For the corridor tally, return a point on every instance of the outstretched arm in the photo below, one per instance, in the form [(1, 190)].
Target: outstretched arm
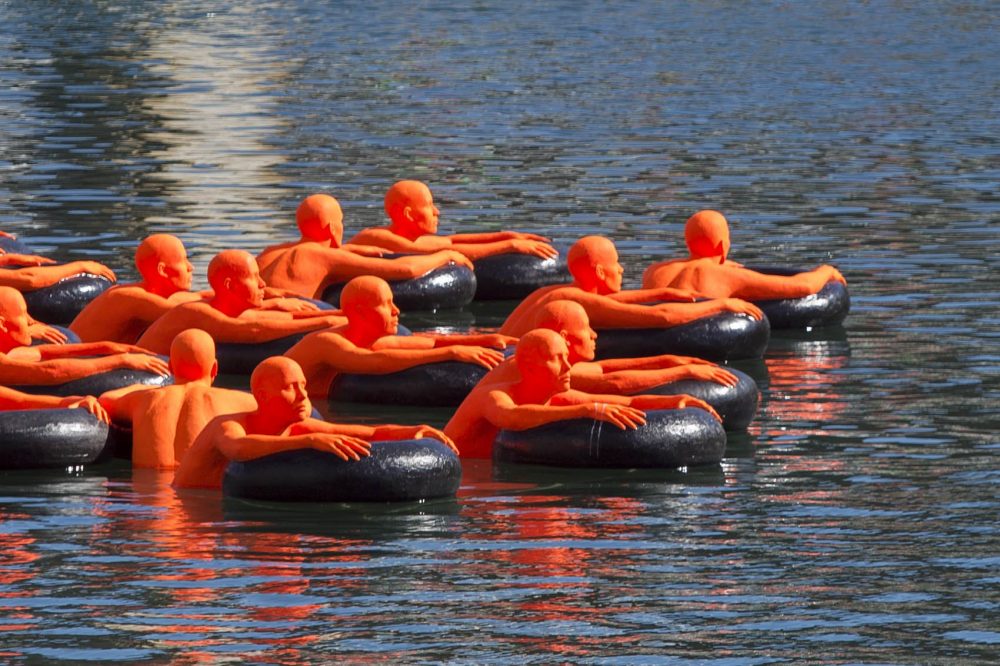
[(668, 294), (342, 266), (495, 340), (385, 432), (534, 248), (11, 399), (235, 443), (501, 410), (588, 377), (494, 236), (36, 277), (29, 370), (79, 349), (636, 402), (751, 285), (335, 351)]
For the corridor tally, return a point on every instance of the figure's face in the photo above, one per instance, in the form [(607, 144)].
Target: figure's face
[(248, 286), (381, 313), (550, 369), (423, 212), (582, 342), (610, 275), (178, 271), (15, 324), (286, 397)]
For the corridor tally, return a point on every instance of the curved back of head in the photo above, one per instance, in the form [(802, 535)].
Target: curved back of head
[(229, 264), (402, 194), (590, 252), (364, 290), (156, 248), (192, 355), (562, 316), (316, 213), (271, 374), (11, 302), (536, 347), (707, 235)]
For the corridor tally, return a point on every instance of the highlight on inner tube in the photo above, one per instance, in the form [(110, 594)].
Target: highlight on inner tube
[(442, 384), (515, 275), (737, 405), (725, 336), (61, 302), (444, 288), (828, 307), (671, 438), (50, 438), (396, 471)]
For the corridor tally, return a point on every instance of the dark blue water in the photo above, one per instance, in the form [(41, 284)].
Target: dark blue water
[(856, 522)]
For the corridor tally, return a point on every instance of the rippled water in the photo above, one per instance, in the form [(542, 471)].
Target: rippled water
[(855, 523)]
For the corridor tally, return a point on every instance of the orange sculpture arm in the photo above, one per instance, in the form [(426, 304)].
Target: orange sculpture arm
[(386, 432), (590, 377), (23, 367), (12, 400), (724, 280), (501, 410), (79, 349), (655, 294), (36, 277), (235, 443), (250, 326), (640, 403), (494, 340), (17, 260)]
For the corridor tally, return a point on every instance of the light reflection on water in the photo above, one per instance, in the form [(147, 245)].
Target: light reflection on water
[(854, 522)]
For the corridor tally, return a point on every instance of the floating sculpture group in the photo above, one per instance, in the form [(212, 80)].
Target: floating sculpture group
[(540, 390)]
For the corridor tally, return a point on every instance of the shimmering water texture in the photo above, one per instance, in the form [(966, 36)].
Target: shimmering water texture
[(856, 522)]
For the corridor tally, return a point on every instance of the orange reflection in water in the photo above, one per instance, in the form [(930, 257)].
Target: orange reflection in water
[(804, 392)]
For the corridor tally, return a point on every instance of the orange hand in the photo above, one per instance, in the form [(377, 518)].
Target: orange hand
[(484, 356), (344, 447), (147, 363), (364, 250), (691, 401), (834, 275), (743, 307), (535, 248), (499, 341), (459, 258), (522, 235), (4, 234), (434, 433), (97, 269), (623, 416), (711, 373), (89, 403), (48, 333), (282, 304)]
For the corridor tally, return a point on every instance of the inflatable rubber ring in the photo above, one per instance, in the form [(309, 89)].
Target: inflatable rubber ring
[(14, 246), (47, 438), (444, 288), (442, 384), (671, 438), (62, 302), (398, 471), (721, 337), (828, 307), (99, 383), (240, 358), (514, 275), (737, 405)]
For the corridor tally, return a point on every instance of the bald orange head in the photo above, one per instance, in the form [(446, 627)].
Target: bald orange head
[(320, 219), (163, 264), (13, 319), (542, 360), (279, 386), (707, 235), (234, 276), (593, 263), (410, 206), (192, 356), (367, 303), (570, 320)]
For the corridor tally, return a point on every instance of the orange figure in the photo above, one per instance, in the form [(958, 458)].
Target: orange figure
[(413, 228), (368, 343), (709, 271), (541, 394), (597, 286), (166, 420), (12, 400), (49, 364), (236, 311), (124, 312), (281, 422), (318, 259)]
